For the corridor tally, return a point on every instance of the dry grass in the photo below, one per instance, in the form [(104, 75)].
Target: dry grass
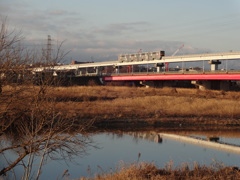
[(144, 171), (105, 103), (110, 102)]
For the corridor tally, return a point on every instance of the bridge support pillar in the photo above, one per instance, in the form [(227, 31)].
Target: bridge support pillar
[(97, 70), (79, 72), (117, 69), (214, 65), (214, 84), (159, 66)]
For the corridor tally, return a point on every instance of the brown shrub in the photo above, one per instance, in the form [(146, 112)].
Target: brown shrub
[(146, 171)]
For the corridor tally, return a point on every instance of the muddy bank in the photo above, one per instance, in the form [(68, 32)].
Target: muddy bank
[(177, 123)]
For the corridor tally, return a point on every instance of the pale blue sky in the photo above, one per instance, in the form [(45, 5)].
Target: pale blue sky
[(94, 29)]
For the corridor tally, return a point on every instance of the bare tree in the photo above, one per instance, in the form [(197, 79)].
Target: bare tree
[(29, 118)]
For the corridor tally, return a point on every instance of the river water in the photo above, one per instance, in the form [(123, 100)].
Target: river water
[(131, 147)]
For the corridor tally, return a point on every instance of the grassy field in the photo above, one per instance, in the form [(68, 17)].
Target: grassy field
[(134, 104), (149, 104)]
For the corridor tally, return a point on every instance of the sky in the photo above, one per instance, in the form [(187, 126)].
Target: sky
[(94, 30)]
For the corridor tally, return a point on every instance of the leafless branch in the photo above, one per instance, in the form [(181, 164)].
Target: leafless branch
[(28, 115)]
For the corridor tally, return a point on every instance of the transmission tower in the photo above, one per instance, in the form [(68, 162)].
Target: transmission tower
[(49, 49)]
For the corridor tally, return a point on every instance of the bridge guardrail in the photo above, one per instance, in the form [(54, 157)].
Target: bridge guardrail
[(160, 73), (202, 55)]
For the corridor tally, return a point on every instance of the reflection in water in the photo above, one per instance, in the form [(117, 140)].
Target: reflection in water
[(205, 141), (154, 137), (214, 139), (150, 146), (227, 144), (212, 142)]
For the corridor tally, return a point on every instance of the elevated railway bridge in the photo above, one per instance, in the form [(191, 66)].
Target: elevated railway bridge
[(152, 69)]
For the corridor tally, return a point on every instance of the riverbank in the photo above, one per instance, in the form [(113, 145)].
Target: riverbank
[(108, 106), (149, 106), (145, 171)]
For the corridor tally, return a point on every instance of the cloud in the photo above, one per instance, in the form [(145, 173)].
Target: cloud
[(58, 12), (120, 28), (35, 22), (85, 40), (109, 50)]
